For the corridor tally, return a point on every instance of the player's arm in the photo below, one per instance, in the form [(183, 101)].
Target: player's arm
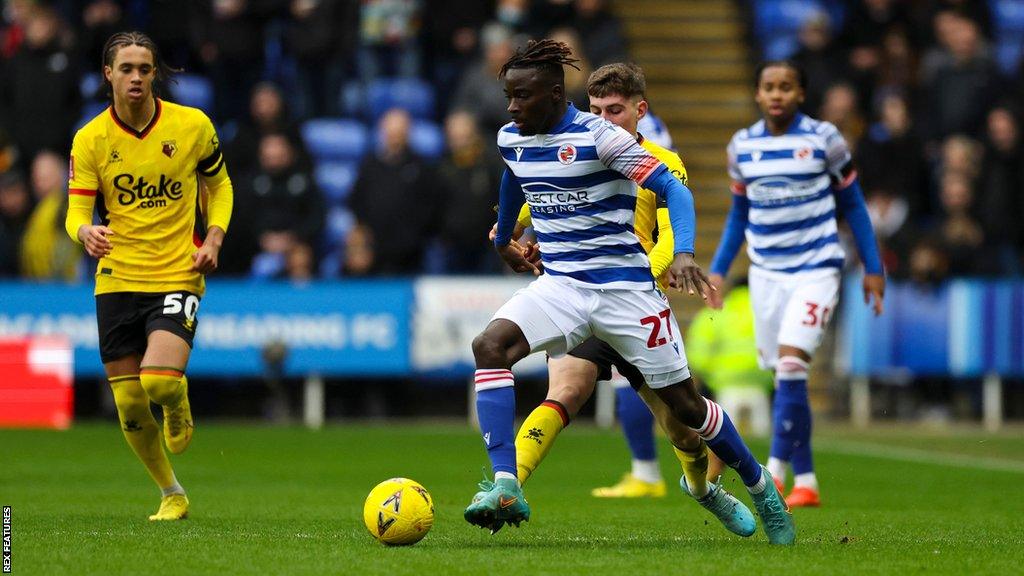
[(850, 203), (733, 234), (221, 198), (618, 150), (850, 200), (661, 255), (510, 202), (83, 185)]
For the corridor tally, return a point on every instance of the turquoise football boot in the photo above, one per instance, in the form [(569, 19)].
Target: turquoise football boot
[(498, 503), (732, 513), (775, 516)]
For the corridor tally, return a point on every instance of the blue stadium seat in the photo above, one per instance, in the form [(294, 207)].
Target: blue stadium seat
[(1008, 20), (777, 23), (335, 179), (89, 85), (426, 139), (338, 223), (334, 138), (192, 90), (352, 99), (413, 95), (90, 109)]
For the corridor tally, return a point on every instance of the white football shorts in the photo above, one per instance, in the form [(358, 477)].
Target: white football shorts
[(555, 315), (791, 309)]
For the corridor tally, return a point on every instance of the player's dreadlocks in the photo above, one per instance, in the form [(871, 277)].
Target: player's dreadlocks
[(545, 53)]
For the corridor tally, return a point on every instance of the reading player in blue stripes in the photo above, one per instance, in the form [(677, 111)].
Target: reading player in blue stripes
[(792, 176), (579, 174)]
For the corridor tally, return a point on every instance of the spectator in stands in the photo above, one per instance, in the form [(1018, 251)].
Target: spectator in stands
[(453, 40), (480, 92), (961, 156), (889, 155), (321, 36), (897, 71), (575, 77), (928, 262), (15, 207), (101, 19), (964, 83), (820, 58), (470, 174), (388, 38), (962, 235), (395, 205), (279, 207), (895, 229), (1001, 188), (840, 107), (50, 254), (39, 95), (230, 36), (268, 113), (600, 32)]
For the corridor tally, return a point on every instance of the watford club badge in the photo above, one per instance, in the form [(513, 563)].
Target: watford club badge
[(170, 147)]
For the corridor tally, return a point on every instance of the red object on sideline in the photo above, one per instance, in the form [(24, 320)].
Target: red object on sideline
[(36, 383)]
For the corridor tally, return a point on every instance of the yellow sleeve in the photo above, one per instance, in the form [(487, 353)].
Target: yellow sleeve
[(524, 216), (83, 185), (662, 253), (214, 174)]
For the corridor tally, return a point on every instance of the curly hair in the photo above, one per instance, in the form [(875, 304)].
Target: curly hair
[(544, 54)]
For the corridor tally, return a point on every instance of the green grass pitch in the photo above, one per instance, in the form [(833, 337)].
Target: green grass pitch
[(289, 501)]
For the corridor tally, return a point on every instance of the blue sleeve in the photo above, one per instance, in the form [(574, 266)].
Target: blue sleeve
[(851, 204), (679, 200), (510, 200), (732, 235)]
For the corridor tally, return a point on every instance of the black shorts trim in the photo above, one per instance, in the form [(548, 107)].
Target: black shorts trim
[(604, 356)]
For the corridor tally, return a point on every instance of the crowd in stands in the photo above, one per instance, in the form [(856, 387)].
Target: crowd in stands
[(359, 133), (929, 95)]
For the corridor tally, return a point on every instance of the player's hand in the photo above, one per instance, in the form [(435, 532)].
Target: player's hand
[(685, 274), (515, 256), (96, 239), (517, 232), (532, 254), (205, 259), (715, 298), (874, 286)]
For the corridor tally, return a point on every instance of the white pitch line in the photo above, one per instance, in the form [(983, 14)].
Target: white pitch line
[(921, 456)]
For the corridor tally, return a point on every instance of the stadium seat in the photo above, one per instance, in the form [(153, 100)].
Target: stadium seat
[(89, 86), (352, 99), (192, 90), (334, 138), (90, 109), (337, 224), (777, 24), (410, 94), (335, 179), (1008, 21)]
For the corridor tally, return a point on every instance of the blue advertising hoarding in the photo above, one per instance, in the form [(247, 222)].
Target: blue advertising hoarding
[(338, 328)]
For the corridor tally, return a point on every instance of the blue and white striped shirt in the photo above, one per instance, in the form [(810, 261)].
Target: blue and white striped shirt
[(788, 181), (580, 181)]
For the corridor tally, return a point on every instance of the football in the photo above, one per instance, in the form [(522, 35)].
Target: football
[(398, 512)]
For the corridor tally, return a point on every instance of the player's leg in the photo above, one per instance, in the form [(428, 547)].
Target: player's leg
[(642, 328), (693, 454), (803, 325), (170, 328), (163, 378), (122, 343), (768, 297), (570, 385), (531, 321)]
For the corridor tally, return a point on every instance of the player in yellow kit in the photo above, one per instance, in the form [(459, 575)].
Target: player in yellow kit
[(617, 93), (154, 172)]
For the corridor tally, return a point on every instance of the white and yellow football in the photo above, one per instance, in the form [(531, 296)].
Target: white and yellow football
[(398, 512)]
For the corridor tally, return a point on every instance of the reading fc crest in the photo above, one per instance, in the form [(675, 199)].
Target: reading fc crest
[(567, 154)]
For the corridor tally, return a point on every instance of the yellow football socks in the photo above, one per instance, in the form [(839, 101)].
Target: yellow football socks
[(695, 468), (537, 435), (141, 430), (163, 384)]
